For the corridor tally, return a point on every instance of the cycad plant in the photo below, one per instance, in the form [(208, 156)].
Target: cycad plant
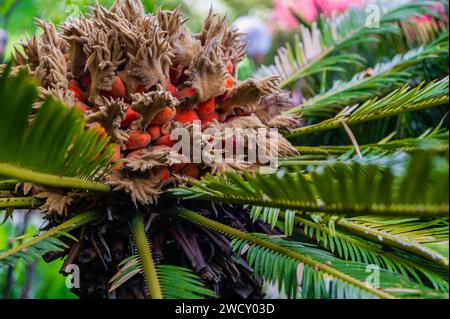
[(358, 207)]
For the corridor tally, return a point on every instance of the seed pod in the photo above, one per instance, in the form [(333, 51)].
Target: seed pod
[(119, 91), (85, 81), (188, 116), (165, 141), (138, 140), (154, 131), (77, 91), (172, 89), (185, 93), (177, 168), (230, 83), (130, 117), (205, 109), (141, 89), (163, 117)]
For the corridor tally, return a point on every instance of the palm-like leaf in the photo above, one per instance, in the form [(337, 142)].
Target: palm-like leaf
[(176, 282), (320, 275), (315, 283), (397, 102), (356, 248), (366, 85), (53, 149), (45, 242), (428, 240), (432, 140), (339, 188)]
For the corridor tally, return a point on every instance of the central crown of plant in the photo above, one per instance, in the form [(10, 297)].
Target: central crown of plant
[(136, 77)]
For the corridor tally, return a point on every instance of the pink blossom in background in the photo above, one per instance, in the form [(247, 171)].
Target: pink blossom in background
[(309, 10), (437, 8)]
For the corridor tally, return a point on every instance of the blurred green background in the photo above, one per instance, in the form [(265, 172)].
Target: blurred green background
[(37, 280)]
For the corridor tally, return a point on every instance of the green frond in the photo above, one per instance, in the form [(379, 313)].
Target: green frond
[(181, 283), (351, 189), (355, 248), (34, 252), (317, 273), (397, 102), (382, 78), (428, 240), (313, 281), (46, 241), (315, 51), (54, 148), (176, 282), (430, 141)]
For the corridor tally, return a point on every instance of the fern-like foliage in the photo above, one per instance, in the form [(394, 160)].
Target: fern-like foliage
[(372, 82), (339, 188), (346, 246), (435, 140), (302, 270), (355, 248), (46, 241), (176, 282), (315, 50), (397, 102), (428, 240), (313, 282), (34, 252), (54, 148)]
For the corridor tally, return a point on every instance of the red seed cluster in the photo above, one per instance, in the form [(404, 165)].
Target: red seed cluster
[(157, 134), (137, 76)]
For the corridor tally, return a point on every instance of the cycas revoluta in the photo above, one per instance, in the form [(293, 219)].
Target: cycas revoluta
[(92, 151)]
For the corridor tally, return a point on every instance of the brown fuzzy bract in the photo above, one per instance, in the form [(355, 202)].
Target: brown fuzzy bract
[(144, 190), (110, 116), (184, 46), (104, 55), (148, 105), (207, 73), (58, 202), (247, 95)]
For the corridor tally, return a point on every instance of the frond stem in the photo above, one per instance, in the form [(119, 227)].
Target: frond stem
[(19, 202), (352, 120), (28, 175), (393, 210), (145, 256)]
